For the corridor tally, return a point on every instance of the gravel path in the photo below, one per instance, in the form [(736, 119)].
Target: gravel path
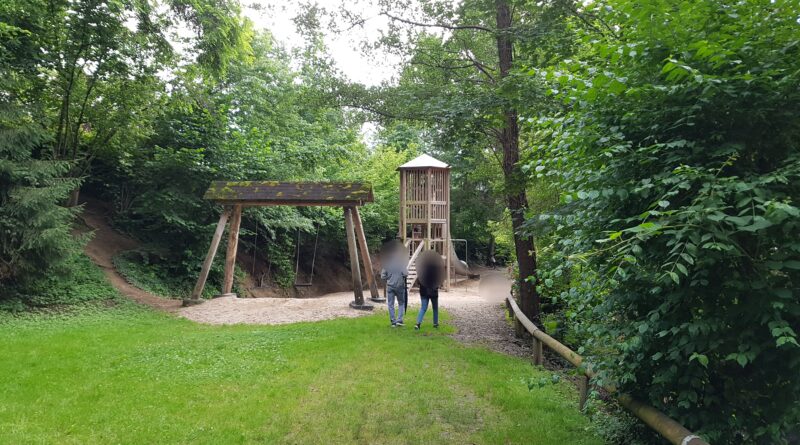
[(233, 310), (477, 308), (481, 320)]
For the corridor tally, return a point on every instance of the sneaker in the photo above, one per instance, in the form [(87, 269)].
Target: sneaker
[(394, 325), (436, 326), (400, 323), (416, 327)]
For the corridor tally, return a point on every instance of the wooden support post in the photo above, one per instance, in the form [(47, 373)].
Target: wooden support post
[(429, 199), (402, 230), (538, 353), (519, 329), (366, 259), (358, 302), (583, 387), (230, 255), (197, 293), (448, 240)]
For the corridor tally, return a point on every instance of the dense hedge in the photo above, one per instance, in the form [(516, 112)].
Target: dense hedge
[(679, 158)]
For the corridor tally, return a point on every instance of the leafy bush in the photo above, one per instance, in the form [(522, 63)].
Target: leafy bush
[(83, 282), (137, 269), (678, 154), (147, 270), (615, 425)]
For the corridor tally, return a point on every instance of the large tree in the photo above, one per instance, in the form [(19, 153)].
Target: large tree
[(101, 63), (459, 77)]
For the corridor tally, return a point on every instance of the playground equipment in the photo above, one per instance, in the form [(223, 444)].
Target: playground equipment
[(425, 214), (237, 195), (310, 281)]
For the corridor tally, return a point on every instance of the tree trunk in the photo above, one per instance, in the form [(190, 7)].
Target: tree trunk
[(514, 180), (74, 197)]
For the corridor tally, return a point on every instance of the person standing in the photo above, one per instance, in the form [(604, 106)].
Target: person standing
[(394, 273), (431, 273)]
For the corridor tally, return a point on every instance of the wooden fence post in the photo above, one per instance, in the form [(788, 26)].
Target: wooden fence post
[(538, 356), (519, 329), (583, 387)]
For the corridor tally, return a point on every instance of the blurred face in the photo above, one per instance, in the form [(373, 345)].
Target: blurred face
[(393, 251)]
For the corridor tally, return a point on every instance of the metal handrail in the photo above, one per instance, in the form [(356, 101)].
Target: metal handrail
[(664, 425)]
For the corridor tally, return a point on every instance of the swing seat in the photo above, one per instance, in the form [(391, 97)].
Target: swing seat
[(297, 260)]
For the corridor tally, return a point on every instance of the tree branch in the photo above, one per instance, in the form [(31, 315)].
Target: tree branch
[(438, 25)]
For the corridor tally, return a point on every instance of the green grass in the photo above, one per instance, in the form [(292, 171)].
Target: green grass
[(126, 374)]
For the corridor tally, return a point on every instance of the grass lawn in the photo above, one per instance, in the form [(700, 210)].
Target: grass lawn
[(129, 375)]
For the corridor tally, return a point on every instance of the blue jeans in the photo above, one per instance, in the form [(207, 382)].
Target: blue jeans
[(400, 295), (435, 304)]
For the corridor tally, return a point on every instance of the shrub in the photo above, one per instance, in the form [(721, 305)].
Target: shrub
[(679, 158), (83, 282)]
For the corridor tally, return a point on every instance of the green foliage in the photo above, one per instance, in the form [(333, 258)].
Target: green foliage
[(83, 282), (504, 243), (35, 238), (680, 169), (615, 425), (379, 167), (241, 127), (145, 269)]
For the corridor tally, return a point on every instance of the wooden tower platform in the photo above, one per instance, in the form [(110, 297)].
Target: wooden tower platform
[(425, 211)]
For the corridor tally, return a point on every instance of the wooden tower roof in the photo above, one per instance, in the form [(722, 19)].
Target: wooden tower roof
[(424, 161)]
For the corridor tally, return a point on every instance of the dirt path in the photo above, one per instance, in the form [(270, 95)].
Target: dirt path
[(480, 318), (106, 243)]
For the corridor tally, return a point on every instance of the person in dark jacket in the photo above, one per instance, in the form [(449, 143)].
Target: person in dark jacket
[(394, 273), (431, 274)]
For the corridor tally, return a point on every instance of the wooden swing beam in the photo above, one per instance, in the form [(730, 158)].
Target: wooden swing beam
[(235, 195)]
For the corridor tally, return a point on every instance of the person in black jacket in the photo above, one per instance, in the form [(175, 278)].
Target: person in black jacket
[(431, 274)]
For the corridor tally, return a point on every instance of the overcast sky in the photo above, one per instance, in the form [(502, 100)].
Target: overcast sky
[(276, 16)]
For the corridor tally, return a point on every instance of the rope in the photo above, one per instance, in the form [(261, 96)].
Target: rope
[(255, 250), (297, 259)]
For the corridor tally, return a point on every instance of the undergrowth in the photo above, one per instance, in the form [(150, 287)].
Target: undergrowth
[(141, 270), (84, 282)]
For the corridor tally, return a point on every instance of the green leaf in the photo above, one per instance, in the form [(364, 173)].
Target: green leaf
[(674, 277), (792, 264), (701, 358)]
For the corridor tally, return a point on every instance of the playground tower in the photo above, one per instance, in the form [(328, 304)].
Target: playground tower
[(425, 211)]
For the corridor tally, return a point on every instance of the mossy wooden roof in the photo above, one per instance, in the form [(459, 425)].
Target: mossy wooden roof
[(265, 193)]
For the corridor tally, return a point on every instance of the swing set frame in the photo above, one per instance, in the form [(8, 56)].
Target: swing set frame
[(235, 195)]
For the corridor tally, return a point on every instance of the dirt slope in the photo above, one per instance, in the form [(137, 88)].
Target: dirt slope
[(106, 243)]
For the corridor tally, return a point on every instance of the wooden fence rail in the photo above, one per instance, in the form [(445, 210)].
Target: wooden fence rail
[(668, 428)]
